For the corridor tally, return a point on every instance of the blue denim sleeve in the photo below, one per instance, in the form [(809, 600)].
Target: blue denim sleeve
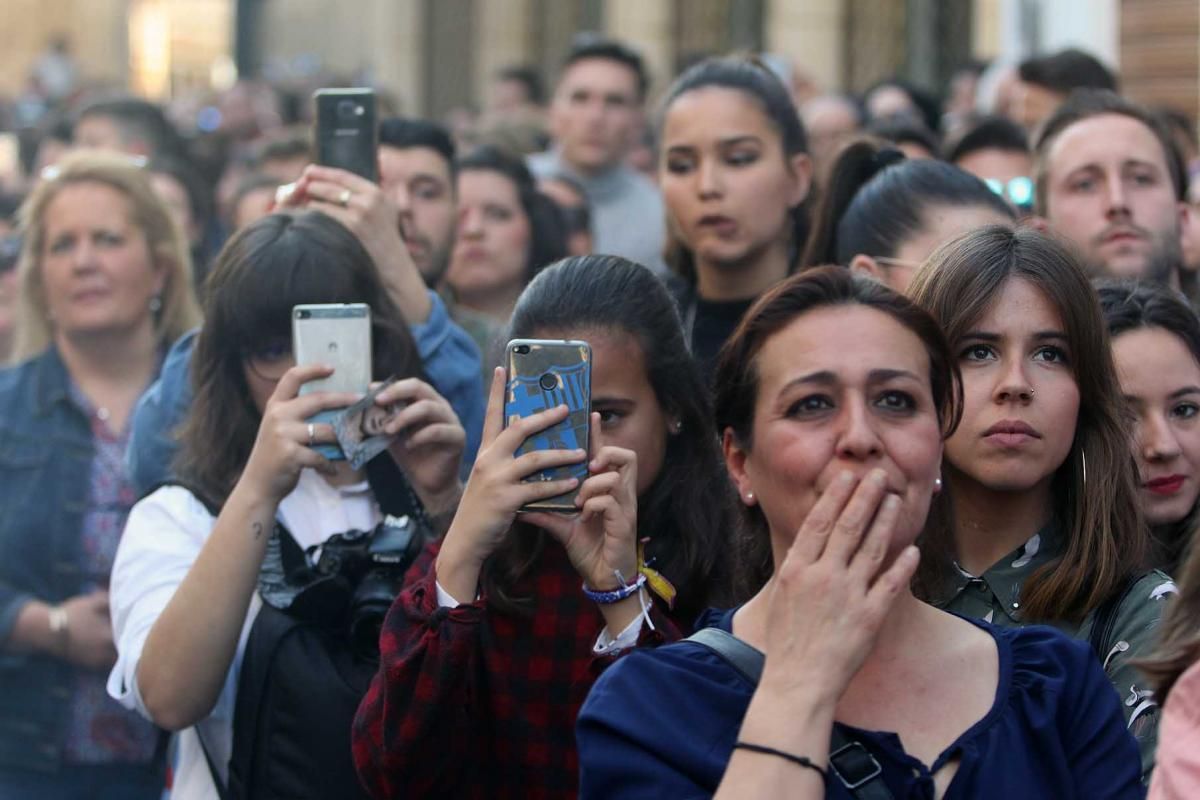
[(152, 442), (454, 367)]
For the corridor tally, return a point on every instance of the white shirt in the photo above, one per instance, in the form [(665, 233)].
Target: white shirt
[(163, 536)]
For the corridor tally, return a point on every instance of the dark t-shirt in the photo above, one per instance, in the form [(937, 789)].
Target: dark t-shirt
[(662, 723), (707, 324)]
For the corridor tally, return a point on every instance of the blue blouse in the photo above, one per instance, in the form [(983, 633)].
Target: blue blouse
[(662, 723)]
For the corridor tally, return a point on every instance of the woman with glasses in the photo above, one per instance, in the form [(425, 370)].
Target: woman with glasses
[(190, 595), (882, 214), (104, 284)]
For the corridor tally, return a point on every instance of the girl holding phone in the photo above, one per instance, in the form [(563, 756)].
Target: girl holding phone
[(489, 652), (185, 592)]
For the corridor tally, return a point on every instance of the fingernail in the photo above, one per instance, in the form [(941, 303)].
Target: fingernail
[(847, 478), (879, 477)]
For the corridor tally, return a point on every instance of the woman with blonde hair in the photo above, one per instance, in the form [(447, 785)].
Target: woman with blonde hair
[(105, 285)]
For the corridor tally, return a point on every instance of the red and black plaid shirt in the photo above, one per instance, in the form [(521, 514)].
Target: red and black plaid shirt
[(471, 702)]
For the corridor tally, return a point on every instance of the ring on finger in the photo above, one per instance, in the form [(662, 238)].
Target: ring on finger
[(312, 434), (344, 198)]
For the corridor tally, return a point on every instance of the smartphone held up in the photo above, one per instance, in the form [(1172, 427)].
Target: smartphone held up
[(542, 374), (347, 133), (339, 335)]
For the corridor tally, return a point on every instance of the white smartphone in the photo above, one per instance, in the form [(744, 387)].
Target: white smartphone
[(337, 334)]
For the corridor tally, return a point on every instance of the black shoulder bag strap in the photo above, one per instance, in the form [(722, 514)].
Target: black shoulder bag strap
[(1106, 618), (852, 763)]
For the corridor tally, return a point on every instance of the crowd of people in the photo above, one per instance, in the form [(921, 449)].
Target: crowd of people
[(894, 459)]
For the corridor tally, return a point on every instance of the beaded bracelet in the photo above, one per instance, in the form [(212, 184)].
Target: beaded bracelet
[(615, 595), (771, 751)]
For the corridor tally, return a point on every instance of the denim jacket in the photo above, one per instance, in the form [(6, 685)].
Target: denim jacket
[(449, 356), (46, 453)]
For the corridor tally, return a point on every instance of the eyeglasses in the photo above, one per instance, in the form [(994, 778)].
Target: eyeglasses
[(1018, 191), (885, 261), (10, 252), (270, 361)]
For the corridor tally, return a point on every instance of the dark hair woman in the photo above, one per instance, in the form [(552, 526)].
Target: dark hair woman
[(187, 598), (834, 396), (1156, 347), (1046, 524), (882, 214), (489, 653), (507, 231), (735, 174)]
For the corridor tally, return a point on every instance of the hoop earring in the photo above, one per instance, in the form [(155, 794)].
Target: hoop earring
[(1083, 464)]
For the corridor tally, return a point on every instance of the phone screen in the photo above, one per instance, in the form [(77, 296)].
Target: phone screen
[(338, 335), (543, 374), (347, 135)]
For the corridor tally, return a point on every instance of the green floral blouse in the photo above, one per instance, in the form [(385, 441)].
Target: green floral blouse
[(995, 597)]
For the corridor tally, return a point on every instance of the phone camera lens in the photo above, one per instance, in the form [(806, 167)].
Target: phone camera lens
[(348, 109), (303, 314), (522, 349), (549, 382)]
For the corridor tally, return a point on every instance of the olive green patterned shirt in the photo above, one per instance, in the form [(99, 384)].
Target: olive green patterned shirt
[(995, 597)]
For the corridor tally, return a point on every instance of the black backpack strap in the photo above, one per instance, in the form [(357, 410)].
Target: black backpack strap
[(849, 761), (222, 791), (1106, 617)]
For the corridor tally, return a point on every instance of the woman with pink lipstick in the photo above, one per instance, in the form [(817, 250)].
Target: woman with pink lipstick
[(734, 172), (1046, 525), (1156, 347)]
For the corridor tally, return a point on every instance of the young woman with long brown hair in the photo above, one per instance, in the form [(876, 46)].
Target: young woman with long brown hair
[(1041, 521)]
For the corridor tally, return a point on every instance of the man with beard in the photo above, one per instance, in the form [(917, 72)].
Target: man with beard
[(416, 171), (1108, 178)]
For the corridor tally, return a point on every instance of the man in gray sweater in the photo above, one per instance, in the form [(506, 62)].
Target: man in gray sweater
[(595, 117)]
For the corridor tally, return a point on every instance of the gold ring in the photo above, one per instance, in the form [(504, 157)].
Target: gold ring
[(344, 198)]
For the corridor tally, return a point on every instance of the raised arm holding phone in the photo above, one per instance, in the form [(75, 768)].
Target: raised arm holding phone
[(487, 654), (193, 587)]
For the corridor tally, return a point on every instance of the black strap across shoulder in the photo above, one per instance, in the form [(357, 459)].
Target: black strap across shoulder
[(852, 763), (1106, 617)]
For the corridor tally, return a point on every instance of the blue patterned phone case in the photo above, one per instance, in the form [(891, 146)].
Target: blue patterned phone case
[(542, 374)]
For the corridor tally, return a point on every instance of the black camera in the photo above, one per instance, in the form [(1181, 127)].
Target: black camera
[(348, 583), (374, 563)]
